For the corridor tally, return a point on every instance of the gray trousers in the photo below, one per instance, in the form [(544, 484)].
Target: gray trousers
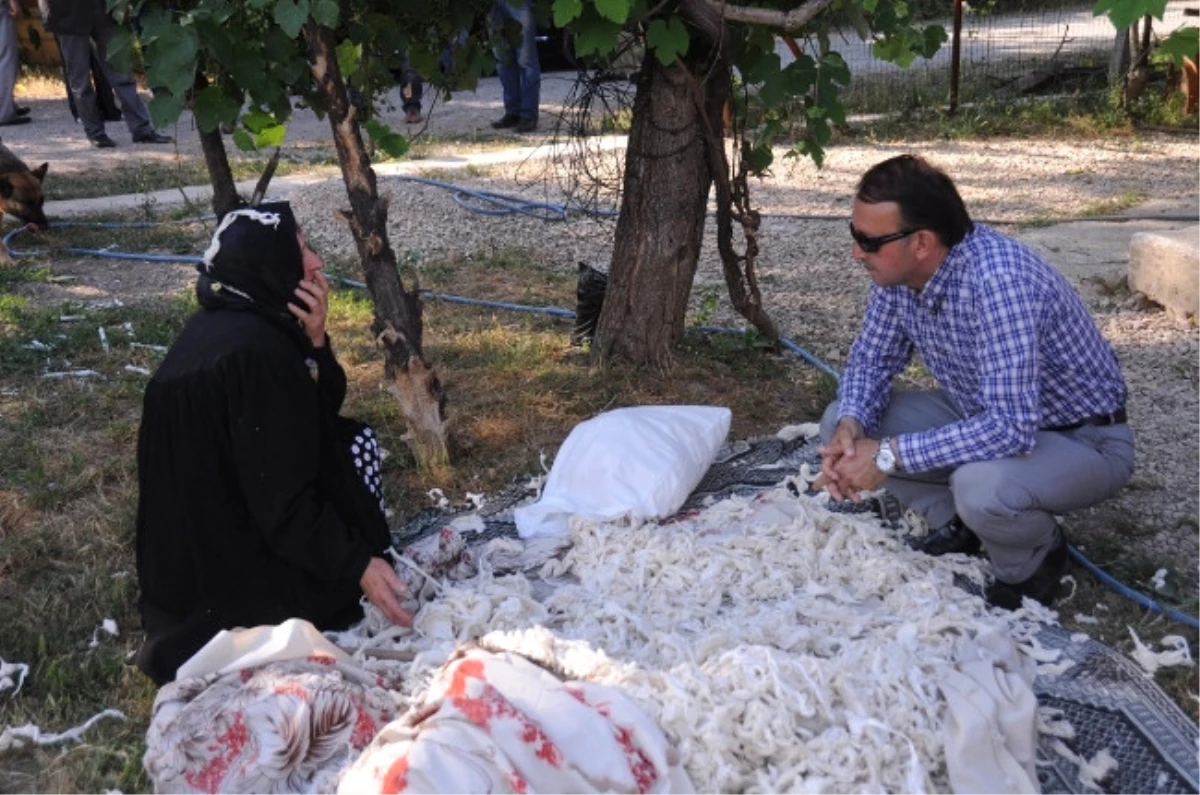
[(1009, 502), (76, 55), (10, 62)]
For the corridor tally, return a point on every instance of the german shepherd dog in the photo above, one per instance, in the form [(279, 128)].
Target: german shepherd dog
[(21, 189)]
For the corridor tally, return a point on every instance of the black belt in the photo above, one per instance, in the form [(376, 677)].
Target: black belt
[(1117, 417)]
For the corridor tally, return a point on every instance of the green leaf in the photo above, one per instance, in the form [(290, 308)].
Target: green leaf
[(291, 15), (598, 37), (349, 56), (165, 108), (212, 108), (1124, 13), (392, 143), (566, 11), (171, 60), (256, 121), (325, 12), (120, 50), (613, 10), (668, 38), (243, 140), (1180, 44), (270, 136)]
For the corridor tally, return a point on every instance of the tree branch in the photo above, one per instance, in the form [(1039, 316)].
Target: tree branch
[(784, 20)]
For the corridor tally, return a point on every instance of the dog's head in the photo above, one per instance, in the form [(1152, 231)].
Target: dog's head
[(21, 194)]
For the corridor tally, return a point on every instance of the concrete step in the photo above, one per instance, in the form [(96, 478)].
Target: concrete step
[(1165, 267)]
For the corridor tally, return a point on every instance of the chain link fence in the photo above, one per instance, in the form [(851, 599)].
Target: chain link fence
[(1059, 48)]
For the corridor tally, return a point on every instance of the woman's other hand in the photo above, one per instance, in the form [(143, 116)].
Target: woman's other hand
[(385, 589)]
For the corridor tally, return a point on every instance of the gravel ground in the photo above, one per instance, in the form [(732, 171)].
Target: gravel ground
[(815, 292)]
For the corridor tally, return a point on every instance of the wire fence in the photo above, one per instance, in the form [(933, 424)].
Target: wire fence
[(1061, 47)]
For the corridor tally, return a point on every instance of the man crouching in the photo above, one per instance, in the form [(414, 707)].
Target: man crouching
[(1028, 419)]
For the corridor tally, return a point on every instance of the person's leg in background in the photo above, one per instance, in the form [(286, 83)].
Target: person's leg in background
[(10, 62), (137, 118), (76, 55), (519, 69), (528, 66), (412, 91)]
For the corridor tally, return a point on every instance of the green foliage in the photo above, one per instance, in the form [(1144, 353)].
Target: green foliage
[(775, 97), (220, 57), (1124, 13)]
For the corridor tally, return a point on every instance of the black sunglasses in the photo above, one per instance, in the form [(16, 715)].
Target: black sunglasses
[(872, 244)]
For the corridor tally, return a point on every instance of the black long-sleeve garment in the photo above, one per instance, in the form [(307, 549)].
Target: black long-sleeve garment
[(249, 510)]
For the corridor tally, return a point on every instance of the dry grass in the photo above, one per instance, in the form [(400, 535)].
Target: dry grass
[(515, 385)]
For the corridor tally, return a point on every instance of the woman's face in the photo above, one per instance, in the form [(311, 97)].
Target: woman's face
[(311, 260)]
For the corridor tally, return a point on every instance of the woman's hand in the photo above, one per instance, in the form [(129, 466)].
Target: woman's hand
[(385, 589), (311, 307)]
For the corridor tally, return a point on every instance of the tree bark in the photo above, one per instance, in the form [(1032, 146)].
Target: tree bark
[(398, 325), (661, 223)]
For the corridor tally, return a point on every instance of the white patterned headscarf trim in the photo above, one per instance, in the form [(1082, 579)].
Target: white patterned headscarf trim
[(264, 218)]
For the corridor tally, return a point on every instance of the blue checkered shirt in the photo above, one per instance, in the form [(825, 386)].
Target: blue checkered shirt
[(1007, 338)]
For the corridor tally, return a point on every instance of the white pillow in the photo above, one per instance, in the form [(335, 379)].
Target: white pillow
[(641, 462)]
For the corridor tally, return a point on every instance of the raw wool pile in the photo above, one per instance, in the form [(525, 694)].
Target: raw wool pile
[(780, 647)]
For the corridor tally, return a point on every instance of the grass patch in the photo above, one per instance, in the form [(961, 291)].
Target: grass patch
[(138, 177)]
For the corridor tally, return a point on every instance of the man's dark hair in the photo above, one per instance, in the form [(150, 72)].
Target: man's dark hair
[(926, 195)]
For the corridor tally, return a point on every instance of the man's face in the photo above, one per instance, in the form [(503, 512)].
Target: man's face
[(894, 262)]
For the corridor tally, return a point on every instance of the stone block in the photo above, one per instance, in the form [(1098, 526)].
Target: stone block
[(1165, 267)]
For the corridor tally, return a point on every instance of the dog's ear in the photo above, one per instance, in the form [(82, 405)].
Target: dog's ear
[(39, 173), (6, 187)]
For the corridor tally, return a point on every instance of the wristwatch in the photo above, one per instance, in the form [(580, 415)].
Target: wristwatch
[(885, 459)]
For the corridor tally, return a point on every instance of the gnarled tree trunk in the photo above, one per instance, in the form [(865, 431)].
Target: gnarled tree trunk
[(397, 323), (661, 224)]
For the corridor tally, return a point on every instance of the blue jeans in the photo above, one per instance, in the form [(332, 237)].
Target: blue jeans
[(520, 72)]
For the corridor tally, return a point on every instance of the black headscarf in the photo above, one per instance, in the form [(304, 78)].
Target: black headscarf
[(254, 260)]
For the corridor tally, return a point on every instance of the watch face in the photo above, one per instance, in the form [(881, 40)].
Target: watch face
[(884, 459)]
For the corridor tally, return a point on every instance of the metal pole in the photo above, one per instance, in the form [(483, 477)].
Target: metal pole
[(955, 56)]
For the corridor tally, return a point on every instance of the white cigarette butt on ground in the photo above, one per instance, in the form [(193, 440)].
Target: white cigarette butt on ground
[(71, 374), (69, 318), (133, 368), (159, 348), (37, 345), (476, 500), (107, 625), (128, 326), (1159, 580), (103, 338), (438, 498), (8, 671), (1080, 618)]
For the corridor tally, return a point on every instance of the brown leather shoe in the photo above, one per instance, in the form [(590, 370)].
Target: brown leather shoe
[(1043, 585), (953, 536)]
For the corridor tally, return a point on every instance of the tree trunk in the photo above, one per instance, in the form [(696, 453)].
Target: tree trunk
[(397, 323), (676, 154), (225, 196), (661, 224)]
